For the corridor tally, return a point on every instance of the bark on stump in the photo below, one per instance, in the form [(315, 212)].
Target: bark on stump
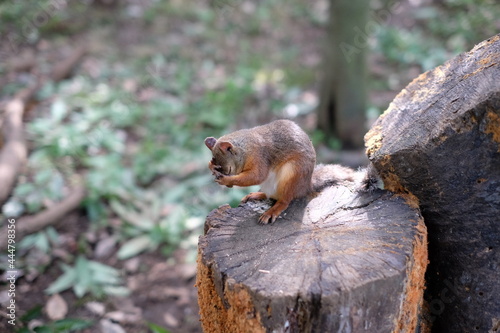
[(337, 262), (440, 141)]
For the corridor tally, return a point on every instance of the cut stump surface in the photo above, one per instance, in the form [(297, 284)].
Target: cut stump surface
[(340, 261)]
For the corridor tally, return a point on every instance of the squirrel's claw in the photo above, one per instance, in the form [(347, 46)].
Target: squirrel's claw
[(217, 174), (274, 212), (267, 218), (222, 179), (219, 179), (213, 167), (264, 219)]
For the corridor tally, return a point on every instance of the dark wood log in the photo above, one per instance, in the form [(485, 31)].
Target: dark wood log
[(338, 262), (440, 141)]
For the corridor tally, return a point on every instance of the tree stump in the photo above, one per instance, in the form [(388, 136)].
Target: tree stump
[(440, 141), (340, 261)]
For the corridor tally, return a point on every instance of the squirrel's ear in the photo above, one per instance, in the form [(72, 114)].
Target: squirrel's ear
[(210, 142), (226, 146)]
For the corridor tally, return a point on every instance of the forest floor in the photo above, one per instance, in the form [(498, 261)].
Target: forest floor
[(162, 292)]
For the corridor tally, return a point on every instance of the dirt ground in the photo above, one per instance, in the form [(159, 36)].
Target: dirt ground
[(162, 292)]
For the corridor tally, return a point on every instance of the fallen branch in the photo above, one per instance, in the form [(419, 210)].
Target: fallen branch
[(14, 153), (62, 70), (30, 224), (23, 63)]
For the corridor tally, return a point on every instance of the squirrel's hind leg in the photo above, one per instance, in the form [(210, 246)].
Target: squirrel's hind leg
[(272, 214), (290, 185)]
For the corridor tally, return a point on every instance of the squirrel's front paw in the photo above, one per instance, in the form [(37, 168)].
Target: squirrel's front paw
[(214, 168), (223, 180)]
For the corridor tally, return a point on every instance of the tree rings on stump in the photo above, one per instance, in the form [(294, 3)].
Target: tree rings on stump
[(339, 261)]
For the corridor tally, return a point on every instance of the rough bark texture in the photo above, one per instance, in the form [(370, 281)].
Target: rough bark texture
[(440, 141), (338, 262)]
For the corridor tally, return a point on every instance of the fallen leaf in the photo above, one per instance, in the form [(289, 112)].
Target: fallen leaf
[(105, 247), (96, 308), (56, 307), (34, 324), (125, 317), (132, 265), (186, 271), (170, 320), (117, 316), (107, 326)]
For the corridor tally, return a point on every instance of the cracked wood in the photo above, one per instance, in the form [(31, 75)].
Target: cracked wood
[(440, 141), (334, 261)]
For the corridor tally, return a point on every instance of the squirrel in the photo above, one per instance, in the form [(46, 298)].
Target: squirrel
[(279, 157)]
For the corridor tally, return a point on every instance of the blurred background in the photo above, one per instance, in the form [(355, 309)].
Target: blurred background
[(113, 100)]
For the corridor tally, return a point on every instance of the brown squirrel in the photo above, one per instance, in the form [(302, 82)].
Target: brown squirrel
[(280, 157)]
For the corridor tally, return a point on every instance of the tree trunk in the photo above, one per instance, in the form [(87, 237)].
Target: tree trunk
[(336, 262), (440, 141), (341, 112)]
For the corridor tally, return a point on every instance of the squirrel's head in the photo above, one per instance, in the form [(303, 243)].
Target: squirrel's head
[(226, 156)]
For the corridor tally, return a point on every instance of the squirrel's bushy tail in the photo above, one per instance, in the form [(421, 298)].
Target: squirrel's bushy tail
[(363, 180), (370, 179)]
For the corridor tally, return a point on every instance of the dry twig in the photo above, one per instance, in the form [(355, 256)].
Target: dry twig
[(30, 224), (14, 153)]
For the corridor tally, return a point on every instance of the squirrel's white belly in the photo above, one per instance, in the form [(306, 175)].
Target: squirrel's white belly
[(270, 185)]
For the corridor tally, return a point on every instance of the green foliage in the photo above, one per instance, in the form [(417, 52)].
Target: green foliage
[(125, 145), (46, 184), (27, 21), (146, 226), (132, 129), (59, 326), (31, 314), (64, 326), (156, 328), (462, 22), (406, 47), (441, 31), (88, 277), (41, 240)]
